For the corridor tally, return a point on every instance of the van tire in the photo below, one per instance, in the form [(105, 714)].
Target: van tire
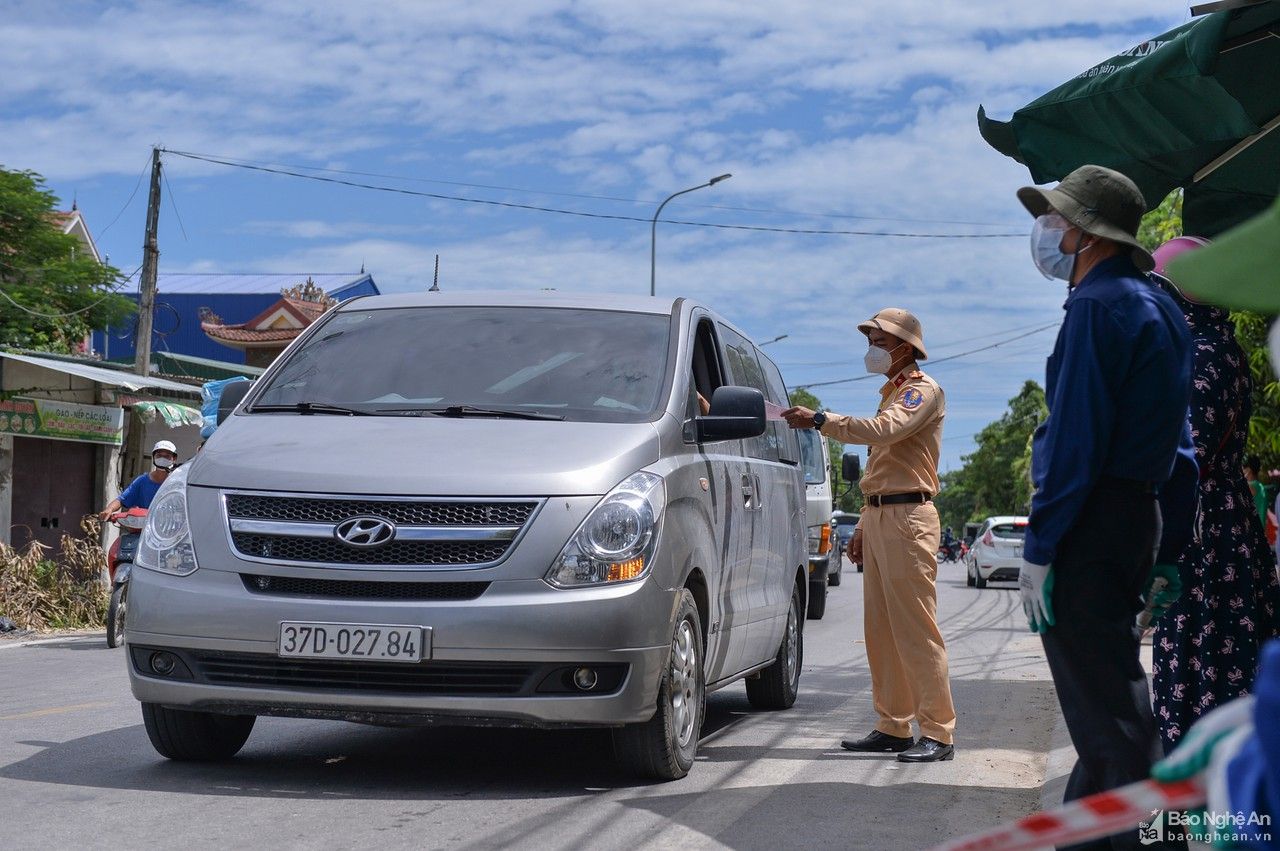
[(653, 749), (817, 600), (833, 579), (778, 685), (195, 736), (977, 578)]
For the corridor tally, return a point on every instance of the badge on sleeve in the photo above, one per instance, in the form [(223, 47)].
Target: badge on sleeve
[(912, 398)]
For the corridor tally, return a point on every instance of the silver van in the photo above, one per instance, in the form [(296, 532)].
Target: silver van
[(500, 509)]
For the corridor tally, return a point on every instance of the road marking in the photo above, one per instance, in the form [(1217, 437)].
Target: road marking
[(55, 710)]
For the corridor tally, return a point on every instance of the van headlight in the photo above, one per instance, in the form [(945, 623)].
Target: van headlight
[(616, 541), (166, 544)]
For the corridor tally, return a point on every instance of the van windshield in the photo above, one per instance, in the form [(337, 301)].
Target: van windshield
[(573, 364), (815, 466)]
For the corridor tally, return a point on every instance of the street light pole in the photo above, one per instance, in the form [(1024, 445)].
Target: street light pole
[(653, 230)]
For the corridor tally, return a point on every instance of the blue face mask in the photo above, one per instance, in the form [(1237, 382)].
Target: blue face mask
[(1046, 247)]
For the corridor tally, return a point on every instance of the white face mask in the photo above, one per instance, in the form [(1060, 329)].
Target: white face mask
[(879, 361), (1046, 247), (163, 463)]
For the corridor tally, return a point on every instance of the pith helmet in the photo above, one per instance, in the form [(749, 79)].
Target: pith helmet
[(899, 323), (1099, 201)]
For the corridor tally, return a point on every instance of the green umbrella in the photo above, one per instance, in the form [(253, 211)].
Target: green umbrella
[(1194, 107)]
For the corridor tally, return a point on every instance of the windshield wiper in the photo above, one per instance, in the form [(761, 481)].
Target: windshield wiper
[(472, 411), (311, 408)]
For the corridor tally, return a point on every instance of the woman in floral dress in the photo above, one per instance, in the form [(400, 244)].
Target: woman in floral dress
[(1206, 646)]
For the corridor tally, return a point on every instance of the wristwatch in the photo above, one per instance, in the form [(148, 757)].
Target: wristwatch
[(818, 419)]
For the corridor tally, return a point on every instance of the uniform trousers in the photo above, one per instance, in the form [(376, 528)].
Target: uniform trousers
[(905, 651), (1099, 577)]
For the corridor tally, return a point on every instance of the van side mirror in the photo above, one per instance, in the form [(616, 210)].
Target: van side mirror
[(231, 396), (736, 413), (850, 467)]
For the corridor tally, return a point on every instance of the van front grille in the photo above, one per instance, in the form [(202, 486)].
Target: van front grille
[(358, 589), (400, 512), (407, 553), (460, 678), (414, 533)]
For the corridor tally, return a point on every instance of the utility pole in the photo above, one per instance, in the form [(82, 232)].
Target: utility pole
[(147, 285)]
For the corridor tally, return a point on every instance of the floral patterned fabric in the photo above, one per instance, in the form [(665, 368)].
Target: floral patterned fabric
[(1207, 646)]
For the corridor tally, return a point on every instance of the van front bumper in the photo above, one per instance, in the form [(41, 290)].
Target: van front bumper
[(524, 633)]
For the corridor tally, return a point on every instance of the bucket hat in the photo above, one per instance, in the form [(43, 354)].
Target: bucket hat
[(1099, 201), (901, 324)]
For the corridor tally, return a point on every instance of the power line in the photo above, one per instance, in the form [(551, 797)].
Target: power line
[(113, 291), (174, 205), (587, 215), (932, 363), (547, 192), (934, 346), (145, 166)]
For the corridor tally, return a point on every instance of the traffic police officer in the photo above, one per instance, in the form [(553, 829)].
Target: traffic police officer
[(1117, 386), (897, 542)]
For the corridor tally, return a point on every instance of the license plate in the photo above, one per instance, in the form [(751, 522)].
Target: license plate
[(1017, 552), (379, 642)]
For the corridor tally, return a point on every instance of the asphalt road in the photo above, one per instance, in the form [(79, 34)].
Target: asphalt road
[(77, 770)]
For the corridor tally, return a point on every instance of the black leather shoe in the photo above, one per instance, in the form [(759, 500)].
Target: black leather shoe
[(927, 750), (878, 742)]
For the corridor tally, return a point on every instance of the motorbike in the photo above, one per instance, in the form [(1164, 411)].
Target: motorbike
[(949, 552), (119, 568)]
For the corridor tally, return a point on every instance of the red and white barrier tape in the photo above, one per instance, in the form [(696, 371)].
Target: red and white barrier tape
[(1088, 818)]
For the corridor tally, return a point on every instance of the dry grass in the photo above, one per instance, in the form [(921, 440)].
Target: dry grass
[(66, 592)]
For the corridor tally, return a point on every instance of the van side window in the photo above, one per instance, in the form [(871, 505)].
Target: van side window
[(788, 445), (745, 371), (707, 374)]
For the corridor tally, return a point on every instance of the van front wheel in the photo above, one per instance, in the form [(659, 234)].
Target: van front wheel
[(663, 747), (195, 736)]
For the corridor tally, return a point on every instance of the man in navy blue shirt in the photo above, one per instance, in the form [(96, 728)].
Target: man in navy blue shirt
[(1118, 385), (144, 488)]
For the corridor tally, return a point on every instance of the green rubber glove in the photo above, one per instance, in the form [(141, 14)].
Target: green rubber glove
[(1165, 598), (1036, 584)]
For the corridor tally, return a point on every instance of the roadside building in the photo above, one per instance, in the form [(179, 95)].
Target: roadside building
[(265, 336), (73, 431), (181, 298)]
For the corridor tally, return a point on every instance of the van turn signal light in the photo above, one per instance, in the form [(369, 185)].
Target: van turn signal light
[(626, 569)]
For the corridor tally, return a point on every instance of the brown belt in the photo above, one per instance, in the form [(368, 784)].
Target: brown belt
[(917, 498)]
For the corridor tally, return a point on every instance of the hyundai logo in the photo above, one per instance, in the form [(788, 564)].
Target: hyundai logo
[(365, 531)]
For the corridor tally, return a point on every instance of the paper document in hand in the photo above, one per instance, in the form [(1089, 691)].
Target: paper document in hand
[(772, 411)]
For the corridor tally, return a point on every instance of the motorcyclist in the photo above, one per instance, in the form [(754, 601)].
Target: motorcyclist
[(949, 543), (164, 455)]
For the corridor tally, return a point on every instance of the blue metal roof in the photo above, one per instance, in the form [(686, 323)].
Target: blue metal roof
[(257, 284), (235, 298)]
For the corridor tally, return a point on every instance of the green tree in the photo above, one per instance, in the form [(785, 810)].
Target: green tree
[(1164, 223), (42, 271), (847, 498), (994, 478)]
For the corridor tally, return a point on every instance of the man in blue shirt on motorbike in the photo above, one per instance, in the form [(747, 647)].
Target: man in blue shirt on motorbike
[(144, 488)]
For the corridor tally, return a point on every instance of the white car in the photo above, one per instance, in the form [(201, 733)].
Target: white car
[(996, 554)]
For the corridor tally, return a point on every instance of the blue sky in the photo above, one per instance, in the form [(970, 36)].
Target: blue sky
[(852, 116)]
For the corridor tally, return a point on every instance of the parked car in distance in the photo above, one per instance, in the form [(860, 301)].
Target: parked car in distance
[(996, 554), (492, 509), (845, 522)]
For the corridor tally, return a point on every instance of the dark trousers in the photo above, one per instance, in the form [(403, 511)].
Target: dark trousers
[(1099, 576)]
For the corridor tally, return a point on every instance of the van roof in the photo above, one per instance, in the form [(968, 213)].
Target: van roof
[(517, 298)]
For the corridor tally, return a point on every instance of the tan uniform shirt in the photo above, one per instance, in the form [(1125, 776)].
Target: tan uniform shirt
[(905, 435)]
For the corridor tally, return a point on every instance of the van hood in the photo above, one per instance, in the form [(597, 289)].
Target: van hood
[(422, 456)]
